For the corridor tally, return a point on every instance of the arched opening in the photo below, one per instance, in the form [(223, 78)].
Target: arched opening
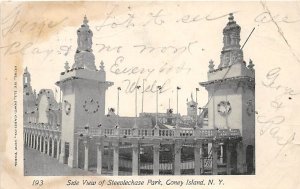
[(80, 154), (42, 147), (38, 142), (59, 146), (26, 138), (249, 159), (233, 162), (50, 146), (46, 146), (29, 140), (32, 140), (55, 148), (35, 141)]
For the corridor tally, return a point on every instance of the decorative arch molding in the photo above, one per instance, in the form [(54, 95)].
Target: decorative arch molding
[(46, 104)]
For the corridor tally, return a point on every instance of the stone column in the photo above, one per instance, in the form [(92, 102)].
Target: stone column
[(116, 158), (62, 152), (177, 131), (241, 158), (99, 157), (228, 157), (36, 142), (31, 141), (177, 159), (110, 157), (73, 152), (198, 156), (86, 155), (156, 131), (44, 146), (135, 158), (25, 138), (53, 145), (214, 152), (222, 153), (33, 146), (40, 146), (156, 148), (57, 149), (48, 147), (28, 140)]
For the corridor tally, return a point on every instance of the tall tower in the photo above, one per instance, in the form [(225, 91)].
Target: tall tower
[(29, 96), (83, 88), (231, 94), (192, 108)]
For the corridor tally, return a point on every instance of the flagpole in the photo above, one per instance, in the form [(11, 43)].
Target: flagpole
[(135, 120), (158, 90), (197, 89), (178, 88), (143, 96), (118, 105)]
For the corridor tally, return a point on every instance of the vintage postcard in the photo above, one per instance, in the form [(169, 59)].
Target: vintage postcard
[(150, 94)]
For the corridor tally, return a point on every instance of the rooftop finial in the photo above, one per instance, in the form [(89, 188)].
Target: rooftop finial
[(251, 65), (211, 65), (85, 20), (102, 65), (67, 67), (231, 17)]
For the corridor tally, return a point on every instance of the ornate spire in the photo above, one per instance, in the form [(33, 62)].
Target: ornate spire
[(85, 21), (231, 52), (26, 77), (84, 57), (27, 89)]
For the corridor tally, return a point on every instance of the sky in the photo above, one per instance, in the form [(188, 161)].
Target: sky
[(194, 30)]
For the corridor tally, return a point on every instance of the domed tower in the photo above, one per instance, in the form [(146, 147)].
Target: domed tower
[(231, 52), (231, 94), (84, 57), (83, 100)]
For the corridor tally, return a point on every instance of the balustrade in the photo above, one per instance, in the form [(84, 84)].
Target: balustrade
[(162, 133)]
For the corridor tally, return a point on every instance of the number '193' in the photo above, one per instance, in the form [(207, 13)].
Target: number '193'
[(37, 182)]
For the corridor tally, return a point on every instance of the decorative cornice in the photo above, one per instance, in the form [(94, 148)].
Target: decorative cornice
[(218, 81)]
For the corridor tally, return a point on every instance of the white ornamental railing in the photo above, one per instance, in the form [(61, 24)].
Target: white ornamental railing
[(42, 127), (161, 133)]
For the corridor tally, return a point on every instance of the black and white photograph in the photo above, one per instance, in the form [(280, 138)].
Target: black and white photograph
[(153, 94)]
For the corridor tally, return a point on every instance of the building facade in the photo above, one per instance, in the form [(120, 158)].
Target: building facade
[(218, 140)]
